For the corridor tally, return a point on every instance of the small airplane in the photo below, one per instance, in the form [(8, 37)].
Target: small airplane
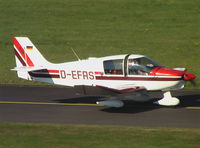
[(127, 76)]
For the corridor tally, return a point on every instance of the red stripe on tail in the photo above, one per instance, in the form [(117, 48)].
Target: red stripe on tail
[(19, 58), (22, 52)]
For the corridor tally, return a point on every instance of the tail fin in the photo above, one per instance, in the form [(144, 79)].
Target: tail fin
[(27, 55)]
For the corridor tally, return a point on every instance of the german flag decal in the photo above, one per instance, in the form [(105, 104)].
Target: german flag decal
[(29, 47)]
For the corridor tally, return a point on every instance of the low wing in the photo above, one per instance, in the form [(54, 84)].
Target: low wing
[(125, 92), (124, 88)]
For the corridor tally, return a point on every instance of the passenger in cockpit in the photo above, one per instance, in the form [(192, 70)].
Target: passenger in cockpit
[(135, 68)]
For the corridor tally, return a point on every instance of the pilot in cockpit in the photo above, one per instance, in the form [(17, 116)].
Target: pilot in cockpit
[(135, 68)]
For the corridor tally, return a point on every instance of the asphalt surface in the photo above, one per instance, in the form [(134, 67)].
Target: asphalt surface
[(64, 106)]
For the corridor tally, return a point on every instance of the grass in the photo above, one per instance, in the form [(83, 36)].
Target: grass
[(167, 31), (23, 135)]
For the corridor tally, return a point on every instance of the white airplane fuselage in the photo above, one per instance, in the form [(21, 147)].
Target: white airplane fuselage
[(90, 72)]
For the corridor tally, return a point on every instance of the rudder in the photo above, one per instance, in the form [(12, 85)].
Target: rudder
[(27, 55)]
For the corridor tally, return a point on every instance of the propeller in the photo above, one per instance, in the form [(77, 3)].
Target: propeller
[(190, 77), (193, 82)]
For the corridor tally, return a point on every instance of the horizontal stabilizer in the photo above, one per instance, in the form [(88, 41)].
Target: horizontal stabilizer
[(27, 69)]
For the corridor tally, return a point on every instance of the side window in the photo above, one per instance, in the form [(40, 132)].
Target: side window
[(113, 67)]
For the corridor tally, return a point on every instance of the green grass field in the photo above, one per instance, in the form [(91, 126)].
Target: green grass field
[(166, 30), (82, 136)]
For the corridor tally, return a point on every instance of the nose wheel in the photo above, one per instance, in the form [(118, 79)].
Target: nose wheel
[(168, 100)]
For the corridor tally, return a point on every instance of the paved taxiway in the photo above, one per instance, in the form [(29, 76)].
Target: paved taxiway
[(62, 105)]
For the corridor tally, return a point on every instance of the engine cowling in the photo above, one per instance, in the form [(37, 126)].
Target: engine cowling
[(163, 71)]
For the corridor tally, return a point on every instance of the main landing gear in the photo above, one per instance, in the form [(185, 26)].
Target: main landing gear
[(168, 100)]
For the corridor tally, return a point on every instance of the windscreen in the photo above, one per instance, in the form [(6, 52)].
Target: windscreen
[(141, 66)]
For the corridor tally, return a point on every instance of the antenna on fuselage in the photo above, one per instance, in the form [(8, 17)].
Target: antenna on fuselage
[(75, 53)]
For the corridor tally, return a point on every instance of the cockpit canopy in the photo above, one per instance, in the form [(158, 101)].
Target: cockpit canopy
[(130, 65)]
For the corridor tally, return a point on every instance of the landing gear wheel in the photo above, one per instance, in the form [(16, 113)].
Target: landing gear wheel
[(168, 100)]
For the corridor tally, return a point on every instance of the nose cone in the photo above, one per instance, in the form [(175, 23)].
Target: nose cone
[(188, 76)]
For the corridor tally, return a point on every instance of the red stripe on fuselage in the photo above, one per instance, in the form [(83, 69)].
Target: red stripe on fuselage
[(19, 58), (137, 78), (53, 71), (22, 52), (47, 71)]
